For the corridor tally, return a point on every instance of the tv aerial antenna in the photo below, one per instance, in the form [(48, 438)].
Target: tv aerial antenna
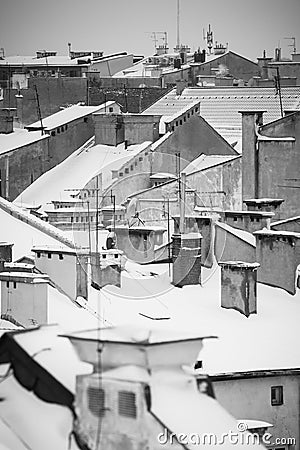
[(293, 39), (208, 37)]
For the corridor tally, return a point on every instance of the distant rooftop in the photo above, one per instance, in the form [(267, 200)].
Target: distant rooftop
[(220, 106), (68, 115)]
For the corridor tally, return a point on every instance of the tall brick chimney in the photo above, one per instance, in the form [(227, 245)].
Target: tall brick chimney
[(186, 257), (24, 298), (238, 286), (251, 120), (19, 118)]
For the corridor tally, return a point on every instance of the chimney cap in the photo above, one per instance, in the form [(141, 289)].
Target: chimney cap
[(239, 265), (229, 213), (252, 112), (267, 201)]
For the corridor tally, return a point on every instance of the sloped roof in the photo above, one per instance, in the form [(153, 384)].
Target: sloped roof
[(19, 138), (67, 115), (220, 106), (25, 230), (212, 58), (34, 61), (206, 161), (77, 170)]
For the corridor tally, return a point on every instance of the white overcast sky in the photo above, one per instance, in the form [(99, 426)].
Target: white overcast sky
[(249, 26)]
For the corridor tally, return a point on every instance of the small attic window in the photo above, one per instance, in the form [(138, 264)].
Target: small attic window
[(276, 395), (85, 119), (111, 109), (127, 404)]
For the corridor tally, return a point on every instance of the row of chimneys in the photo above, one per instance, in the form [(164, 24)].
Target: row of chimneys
[(277, 253), (24, 287)]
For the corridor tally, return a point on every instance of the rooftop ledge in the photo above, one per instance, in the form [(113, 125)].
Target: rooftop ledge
[(239, 264), (264, 200), (280, 139), (249, 213), (266, 232)]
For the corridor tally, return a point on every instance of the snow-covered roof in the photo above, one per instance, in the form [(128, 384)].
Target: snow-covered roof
[(25, 230), (220, 106), (141, 69), (241, 234), (204, 162), (76, 171), (19, 138), (34, 61), (67, 115)]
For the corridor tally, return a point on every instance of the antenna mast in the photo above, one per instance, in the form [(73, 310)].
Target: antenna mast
[(178, 23)]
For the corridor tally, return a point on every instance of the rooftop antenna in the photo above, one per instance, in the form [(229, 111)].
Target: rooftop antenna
[(293, 39), (154, 36), (69, 48), (209, 39), (178, 23)]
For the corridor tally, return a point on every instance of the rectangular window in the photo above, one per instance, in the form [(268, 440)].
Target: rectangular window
[(49, 256), (15, 285), (276, 395)]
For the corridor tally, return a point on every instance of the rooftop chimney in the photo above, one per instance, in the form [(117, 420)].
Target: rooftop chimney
[(250, 122), (248, 220), (263, 65), (19, 118), (264, 204), (7, 120), (66, 269), (238, 286), (186, 257), (106, 268), (5, 254), (24, 298), (278, 253), (204, 225), (277, 54), (180, 86)]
